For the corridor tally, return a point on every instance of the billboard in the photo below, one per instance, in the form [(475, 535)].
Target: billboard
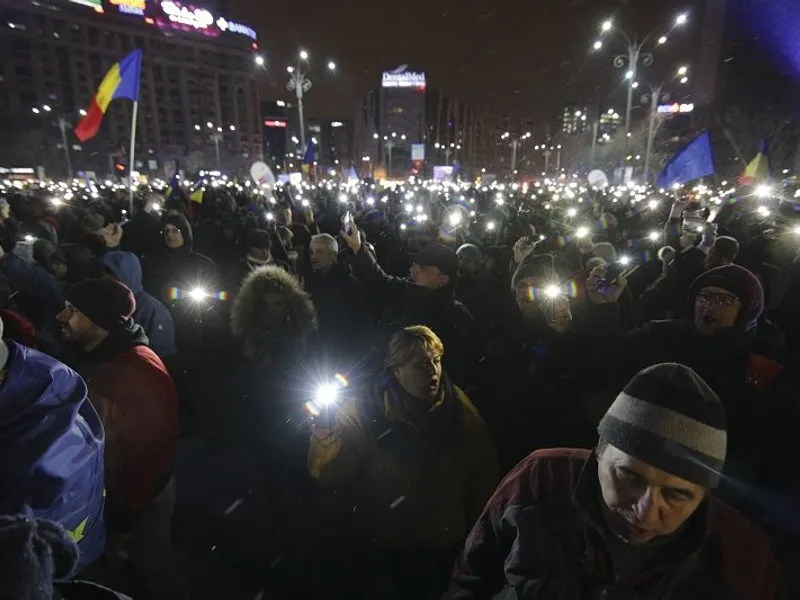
[(671, 109), (404, 79)]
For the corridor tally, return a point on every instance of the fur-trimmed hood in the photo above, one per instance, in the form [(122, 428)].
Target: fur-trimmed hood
[(302, 314)]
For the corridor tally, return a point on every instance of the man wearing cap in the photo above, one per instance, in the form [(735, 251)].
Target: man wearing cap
[(427, 297), (136, 400), (634, 519)]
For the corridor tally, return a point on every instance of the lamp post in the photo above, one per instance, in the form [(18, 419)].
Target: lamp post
[(654, 97), (634, 55), (62, 126), (216, 137), (515, 142), (299, 83)]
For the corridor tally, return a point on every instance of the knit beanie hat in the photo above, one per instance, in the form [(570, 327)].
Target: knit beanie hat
[(726, 247), (176, 219), (668, 417), (538, 265), (257, 238), (740, 282), (33, 552), (106, 302), (606, 251)]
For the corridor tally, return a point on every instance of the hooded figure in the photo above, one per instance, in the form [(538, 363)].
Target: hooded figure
[(272, 316), (176, 265), (272, 321), (150, 313), (52, 441)]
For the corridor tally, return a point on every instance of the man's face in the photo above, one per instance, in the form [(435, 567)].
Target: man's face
[(642, 502), (259, 253), (421, 376), (75, 326), (469, 264), (429, 277), (173, 238), (5, 210), (715, 309), (322, 256)]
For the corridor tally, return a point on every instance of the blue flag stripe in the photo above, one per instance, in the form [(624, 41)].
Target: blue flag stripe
[(692, 162)]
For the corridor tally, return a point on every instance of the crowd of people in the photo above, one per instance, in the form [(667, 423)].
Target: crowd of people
[(408, 391)]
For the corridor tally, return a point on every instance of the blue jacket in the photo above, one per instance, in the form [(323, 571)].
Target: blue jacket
[(32, 279), (51, 441), (150, 313)]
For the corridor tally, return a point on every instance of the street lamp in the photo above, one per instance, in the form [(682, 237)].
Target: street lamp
[(654, 97), (299, 83), (259, 60), (62, 125), (515, 142), (633, 56)]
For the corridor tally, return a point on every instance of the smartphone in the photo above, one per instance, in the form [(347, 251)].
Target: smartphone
[(347, 223), (613, 272)]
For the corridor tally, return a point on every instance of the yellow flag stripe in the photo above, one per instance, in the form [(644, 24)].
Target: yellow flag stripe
[(107, 88)]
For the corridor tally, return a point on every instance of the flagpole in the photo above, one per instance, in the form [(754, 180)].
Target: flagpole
[(132, 161)]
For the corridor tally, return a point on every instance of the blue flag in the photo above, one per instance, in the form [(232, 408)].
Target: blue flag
[(693, 161), (308, 158)]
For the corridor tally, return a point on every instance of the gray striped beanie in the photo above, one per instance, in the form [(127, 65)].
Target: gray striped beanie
[(668, 417)]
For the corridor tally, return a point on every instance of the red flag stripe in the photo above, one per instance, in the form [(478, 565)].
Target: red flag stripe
[(88, 125)]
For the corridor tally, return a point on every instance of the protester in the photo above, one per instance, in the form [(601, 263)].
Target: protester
[(138, 404), (337, 296), (640, 506), (153, 316), (176, 265), (417, 456), (258, 253), (427, 297), (52, 444)]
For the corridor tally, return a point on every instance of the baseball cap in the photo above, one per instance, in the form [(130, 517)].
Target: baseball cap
[(441, 257)]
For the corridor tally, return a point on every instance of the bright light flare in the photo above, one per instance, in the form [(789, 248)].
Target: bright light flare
[(681, 19), (653, 204), (763, 191), (796, 230), (581, 232), (303, 55), (607, 25), (572, 212), (198, 294), (343, 198), (763, 211), (654, 235), (552, 291), (454, 219), (259, 60), (624, 260), (490, 226), (662, 39), (598, 45)]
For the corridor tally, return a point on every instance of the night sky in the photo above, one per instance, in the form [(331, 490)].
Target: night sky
[(524, 58)]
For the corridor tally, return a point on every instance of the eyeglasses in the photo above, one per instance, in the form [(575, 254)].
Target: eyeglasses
[(716, 299)]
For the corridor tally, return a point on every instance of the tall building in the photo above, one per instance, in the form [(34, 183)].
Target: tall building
[(574, 119), (198, 97)]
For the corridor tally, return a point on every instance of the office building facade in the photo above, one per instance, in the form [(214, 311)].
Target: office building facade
[(198, 98)]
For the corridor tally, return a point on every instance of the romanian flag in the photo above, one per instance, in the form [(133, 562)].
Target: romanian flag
[(121, 81), (758, 169), (197, 195), (308, 158)]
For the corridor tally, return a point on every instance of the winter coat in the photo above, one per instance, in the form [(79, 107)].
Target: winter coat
[(542, 536), (339, 300), (405, 303), (51, 440), (151, 314), (136, 399), (418, 482), (255, 403), (34, 281)]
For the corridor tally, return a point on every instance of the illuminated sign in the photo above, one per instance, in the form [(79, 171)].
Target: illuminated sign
[(404, 79), (233, 27), (335, 124), (95, 4), (190, 16), (130, 7), (269, 123), (671, 109)]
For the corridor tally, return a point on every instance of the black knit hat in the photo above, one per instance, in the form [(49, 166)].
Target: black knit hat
[(726, 247), (176, 219), (538, 265), (33, 552), (106, 302), (740, 282), (439, 256), (257, 238), (668, 417)]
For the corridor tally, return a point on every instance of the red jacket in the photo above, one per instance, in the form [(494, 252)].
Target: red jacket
[(137, 401), (538, 537)]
